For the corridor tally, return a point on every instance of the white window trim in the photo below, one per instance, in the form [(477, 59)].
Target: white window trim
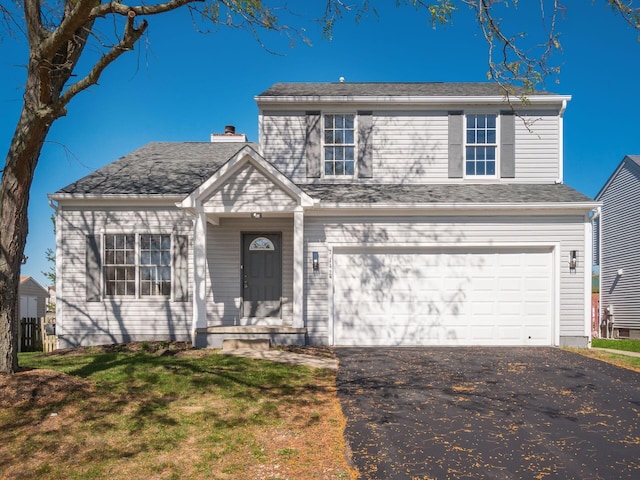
[(496, 175), (355, 145), (137, 265)]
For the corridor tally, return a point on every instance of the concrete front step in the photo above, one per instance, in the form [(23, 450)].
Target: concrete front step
[(246, 344), (215, 336)]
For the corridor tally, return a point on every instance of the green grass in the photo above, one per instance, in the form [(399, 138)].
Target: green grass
[(141, 416), (626, 345)]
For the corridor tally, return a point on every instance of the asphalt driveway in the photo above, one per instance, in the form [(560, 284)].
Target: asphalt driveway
[(495, 413)]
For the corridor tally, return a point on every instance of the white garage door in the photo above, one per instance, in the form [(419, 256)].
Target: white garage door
[(479, 297)]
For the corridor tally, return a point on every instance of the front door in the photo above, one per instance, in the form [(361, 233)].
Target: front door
[(261, 275)]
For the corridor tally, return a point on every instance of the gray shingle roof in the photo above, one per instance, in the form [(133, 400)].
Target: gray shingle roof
[(635, 159), (423, 89), (158, 169), (445, 193), (179, 168)]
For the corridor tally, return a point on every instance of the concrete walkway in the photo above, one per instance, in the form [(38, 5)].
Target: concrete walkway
[(331, 363), (620, 352), (284, 357)]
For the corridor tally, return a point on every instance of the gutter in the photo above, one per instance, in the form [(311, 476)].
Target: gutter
[(111, 197), (52, 203), (402, 207)]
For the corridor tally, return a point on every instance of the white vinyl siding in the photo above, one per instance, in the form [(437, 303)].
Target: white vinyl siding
[(224, 254), (436, 232), (282, 137), (412, 146), (538, 147), (247, 189), (316, 295), (621, 247), (114, 319)]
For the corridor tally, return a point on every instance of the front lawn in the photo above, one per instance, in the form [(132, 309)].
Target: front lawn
[(619, 359), (189, 414), (627, 345)]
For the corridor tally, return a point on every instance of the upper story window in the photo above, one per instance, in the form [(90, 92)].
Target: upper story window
[(481, 145), (137, 265), (339, 144)]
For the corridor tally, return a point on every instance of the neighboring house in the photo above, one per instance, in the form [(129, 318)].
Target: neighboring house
[(367, 214), (51, 303), (619, 248), (33, 298)]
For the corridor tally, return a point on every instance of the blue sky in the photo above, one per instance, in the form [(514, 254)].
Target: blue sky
[(180, 85)]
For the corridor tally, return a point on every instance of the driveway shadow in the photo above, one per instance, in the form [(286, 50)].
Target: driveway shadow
[(498, 413)]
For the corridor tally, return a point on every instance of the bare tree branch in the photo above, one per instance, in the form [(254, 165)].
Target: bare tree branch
[(122, 9), (76, 14), (131, 36)]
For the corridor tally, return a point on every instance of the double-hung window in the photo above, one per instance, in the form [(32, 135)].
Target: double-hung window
[(137, 265), (155, 265), (120, 265), (339, 145), (481, 145)]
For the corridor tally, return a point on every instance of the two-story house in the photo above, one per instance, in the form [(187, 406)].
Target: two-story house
[(366, 214)]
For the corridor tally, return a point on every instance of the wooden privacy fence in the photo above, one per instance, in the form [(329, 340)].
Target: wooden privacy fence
[(37, 335)]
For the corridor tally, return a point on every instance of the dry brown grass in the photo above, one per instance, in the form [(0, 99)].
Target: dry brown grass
[(55, 425)]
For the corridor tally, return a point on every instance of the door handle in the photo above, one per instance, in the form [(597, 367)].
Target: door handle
[(246, 285)]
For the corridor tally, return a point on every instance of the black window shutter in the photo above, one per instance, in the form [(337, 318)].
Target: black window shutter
[(313, 146), (180, 268), (365, 141), (507, 144), (456, 137), (93, 265)]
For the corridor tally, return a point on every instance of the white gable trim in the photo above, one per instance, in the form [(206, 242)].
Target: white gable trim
[(246, 156)]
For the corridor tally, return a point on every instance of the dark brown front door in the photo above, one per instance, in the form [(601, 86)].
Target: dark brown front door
[(261, 275)]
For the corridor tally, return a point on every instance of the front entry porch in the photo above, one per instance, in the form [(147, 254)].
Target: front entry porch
[(214, 337), (247, 254)]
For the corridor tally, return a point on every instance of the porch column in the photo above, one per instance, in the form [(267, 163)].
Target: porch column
[(298, 266), (199, 319)]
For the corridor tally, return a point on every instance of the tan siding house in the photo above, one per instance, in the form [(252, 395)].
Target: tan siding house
[(33, 298)]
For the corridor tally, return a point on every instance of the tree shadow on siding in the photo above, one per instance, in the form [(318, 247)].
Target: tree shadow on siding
[(114, 319), (376, 283)]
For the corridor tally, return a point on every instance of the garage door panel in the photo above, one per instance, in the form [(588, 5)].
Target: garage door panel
[(482, 297)]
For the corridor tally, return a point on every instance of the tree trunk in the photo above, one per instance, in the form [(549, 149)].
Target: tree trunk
[(17, 177)]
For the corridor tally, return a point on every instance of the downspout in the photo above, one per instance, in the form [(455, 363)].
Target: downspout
[(597, 213), (560, 178), (59, 312)]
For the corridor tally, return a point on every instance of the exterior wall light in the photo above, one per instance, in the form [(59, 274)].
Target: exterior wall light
[(316, 262), (573, 260), (256, 215)]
